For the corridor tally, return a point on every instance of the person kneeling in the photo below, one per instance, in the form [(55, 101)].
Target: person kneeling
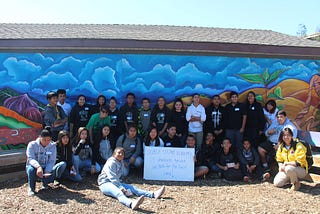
[(291, 157), (110, 184)]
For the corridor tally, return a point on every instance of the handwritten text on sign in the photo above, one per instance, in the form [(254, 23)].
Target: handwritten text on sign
[(170, 164)]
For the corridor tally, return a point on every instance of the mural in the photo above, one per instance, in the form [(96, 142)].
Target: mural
[(27, 77)]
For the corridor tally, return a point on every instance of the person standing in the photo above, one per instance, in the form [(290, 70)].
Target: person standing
[(144, 118), (79, 115), (196, 116), (235, 120), (215, 119), (255, 120), (54, 115), (160, 116), (62, 95), (114, 119), (129, 113)]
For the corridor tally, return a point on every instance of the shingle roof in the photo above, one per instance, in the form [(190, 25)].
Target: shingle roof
[(151, 33)]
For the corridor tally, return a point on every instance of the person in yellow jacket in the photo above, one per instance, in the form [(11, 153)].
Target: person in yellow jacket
[(291, 157)]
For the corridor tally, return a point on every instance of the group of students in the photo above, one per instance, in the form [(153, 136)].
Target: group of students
[(228, 141)]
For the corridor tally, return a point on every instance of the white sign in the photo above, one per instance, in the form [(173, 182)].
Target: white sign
[(168, 164)]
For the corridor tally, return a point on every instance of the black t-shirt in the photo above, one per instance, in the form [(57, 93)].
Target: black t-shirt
[(79, 116), (180, 121), (160, 117), (255, 116), (171, 142), (234, 115), (215, 118)]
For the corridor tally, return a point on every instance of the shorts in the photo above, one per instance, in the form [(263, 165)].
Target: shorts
[(268, 146)]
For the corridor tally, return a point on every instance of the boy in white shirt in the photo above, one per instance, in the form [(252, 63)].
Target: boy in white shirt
[(196, 116), (62, 95)]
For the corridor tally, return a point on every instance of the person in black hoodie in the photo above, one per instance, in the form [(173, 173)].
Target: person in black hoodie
[(128, 113), (215, 119), (114, 119), (79, 115), (178, 117), (64, 156), (160, 116), (255, 120), (101, 101), (210, 153)]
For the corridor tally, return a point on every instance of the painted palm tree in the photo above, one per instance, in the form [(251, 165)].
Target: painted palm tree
[(266, 79)]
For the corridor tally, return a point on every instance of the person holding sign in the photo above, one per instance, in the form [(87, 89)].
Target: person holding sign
[(199, 170), (110, 184)]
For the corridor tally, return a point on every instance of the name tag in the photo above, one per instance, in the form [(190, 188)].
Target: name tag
[(168, 144), (252, 108), (86, 108), (132, 146), (214, 112), (230, 165), (86, 146), (48, 153), (146, 115), (236, 109), (114, 116)]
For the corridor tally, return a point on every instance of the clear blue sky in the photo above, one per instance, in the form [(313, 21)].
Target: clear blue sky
[(278, 15)]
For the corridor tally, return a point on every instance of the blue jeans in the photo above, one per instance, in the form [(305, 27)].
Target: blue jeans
[(137, 163), (59, 169), (65, 173), (32, 177), (112, 190), (213, 167), (235, 136), (83, 164)]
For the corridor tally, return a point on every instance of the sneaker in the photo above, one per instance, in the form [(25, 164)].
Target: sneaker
[(30, 193), (56, 183), (246, 179), (265, 176), (45, 187), (157, 194), (136, 203), (296, 186)]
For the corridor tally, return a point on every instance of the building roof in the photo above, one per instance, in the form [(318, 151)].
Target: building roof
[(154, 38), (151, 33)]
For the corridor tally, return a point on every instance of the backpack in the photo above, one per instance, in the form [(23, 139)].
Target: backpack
[(309, 156)]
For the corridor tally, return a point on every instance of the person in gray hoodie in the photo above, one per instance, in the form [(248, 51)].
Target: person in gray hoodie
[(41, 159), (132, 148), (110, 183)]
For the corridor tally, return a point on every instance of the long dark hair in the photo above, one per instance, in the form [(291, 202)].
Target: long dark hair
[(254, 94), (60, 136), (174, 104), (81, 129), (148, 139), (100, 137), (280, 140), (274, 106)]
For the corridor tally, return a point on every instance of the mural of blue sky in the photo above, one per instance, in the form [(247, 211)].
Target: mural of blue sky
[(145, 75)]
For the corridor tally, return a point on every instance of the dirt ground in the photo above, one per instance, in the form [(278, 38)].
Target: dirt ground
[(202, 196)]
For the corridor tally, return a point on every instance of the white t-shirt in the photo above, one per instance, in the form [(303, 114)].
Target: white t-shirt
[(198, 111)]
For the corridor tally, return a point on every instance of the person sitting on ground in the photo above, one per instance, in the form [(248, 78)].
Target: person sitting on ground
[(271, 145), (250, 162), (83, 158), (64, 159), (132, 147), (291, 157), (210, 151), (102, 147), (110, 184), (171, 139), (199, 169), (41, 159), (229, 162)]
